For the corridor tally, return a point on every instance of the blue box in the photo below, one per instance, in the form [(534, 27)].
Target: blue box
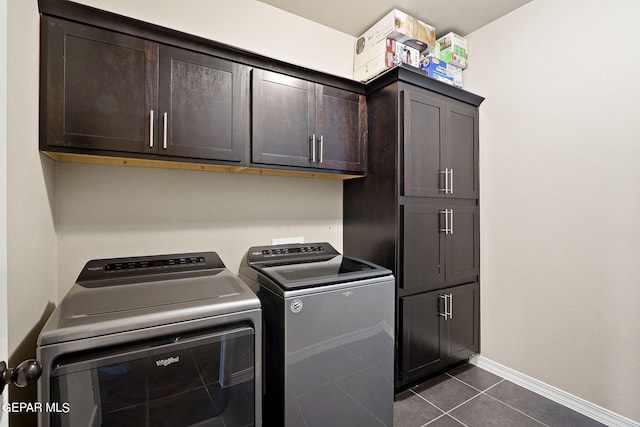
[(436, 69)]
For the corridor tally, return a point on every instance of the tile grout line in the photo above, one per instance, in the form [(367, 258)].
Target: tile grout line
[(518, 410), (444, 415), (455, 407), (416, 394), (480, 392), (488, 395)]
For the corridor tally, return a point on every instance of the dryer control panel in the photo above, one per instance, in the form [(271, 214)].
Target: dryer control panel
[(103, 272)]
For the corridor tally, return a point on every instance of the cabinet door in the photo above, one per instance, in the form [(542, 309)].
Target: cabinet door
[(461, 150), (463, 328), (423, 250), (423, 135), (202, 105), (462, 245), (100, 88), (341, 120), (421, 350), (283, 114)]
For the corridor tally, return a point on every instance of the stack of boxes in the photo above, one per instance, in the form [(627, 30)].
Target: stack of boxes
[(396, 38), (400, 38)]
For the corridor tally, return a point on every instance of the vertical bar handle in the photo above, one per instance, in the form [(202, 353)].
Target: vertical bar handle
[(313, 147), (164, 130), (321, 148), (451, 185), (445, 190), (450, 306), (446, 229), (151, 129), (446, 311), (451, 221)]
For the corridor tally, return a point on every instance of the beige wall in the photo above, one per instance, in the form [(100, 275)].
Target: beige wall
[(560, 195), (31, 240)]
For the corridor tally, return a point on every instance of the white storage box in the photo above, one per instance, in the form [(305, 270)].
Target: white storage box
[(385, 54), (401, 27)]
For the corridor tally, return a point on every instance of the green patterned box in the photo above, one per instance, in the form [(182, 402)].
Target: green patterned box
[(453, 49)]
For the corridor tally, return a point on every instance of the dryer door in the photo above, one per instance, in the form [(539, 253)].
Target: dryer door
[(177, 380)]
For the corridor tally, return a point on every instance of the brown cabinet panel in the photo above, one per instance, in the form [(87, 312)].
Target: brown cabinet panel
[(100, 87), (462, 149), (464, 324), (440, 147), (438, 328), (303, 124), (432, 257), (283, 113), (424, 130), (201, 100), (423, 247), (423, 342), (106, 92), (463, 245), (341, 118)]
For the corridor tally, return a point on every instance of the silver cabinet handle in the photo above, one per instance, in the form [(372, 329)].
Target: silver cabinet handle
[(448, 306), (448, 221), (445, 230), (448, 181), (447, 225), (164, 130), (446, 310), (445, 190), (321, 149), (313, 147), (151, 129)]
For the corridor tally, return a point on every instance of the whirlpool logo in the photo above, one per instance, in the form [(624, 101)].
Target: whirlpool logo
[(168, 361)]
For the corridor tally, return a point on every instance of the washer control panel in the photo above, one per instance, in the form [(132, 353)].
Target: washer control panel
[(290, 252)]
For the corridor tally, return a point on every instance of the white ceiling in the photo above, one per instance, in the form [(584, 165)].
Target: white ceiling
[(354, 17)]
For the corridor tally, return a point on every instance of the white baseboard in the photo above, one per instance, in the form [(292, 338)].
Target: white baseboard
[(552, 393)]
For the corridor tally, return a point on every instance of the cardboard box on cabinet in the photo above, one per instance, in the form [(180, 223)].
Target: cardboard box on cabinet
[(384, 55), (454, 50), (401, 27), (442, 71)]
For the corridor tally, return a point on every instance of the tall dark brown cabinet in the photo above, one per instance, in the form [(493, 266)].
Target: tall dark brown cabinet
[(416, 212)]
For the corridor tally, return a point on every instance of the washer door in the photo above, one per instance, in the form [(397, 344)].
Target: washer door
[(173, 381), (339, 356)]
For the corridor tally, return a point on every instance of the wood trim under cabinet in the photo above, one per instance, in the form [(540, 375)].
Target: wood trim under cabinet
[(170, 164)]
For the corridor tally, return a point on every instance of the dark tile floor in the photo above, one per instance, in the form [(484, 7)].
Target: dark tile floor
[(470, 396)]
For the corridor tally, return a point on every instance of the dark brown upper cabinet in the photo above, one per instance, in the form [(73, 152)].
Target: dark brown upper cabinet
[(298, 123), (440, 147), (113, 94)]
